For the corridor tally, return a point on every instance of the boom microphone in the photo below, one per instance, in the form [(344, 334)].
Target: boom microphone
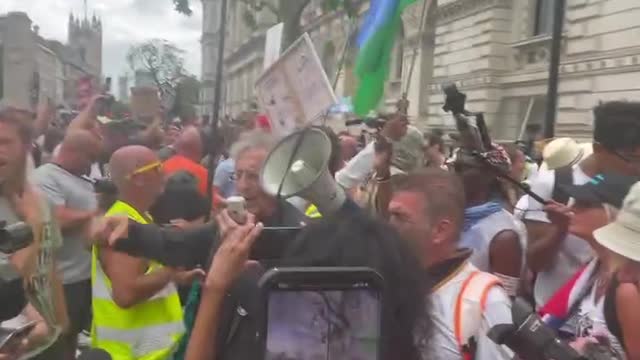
[(531, 339)]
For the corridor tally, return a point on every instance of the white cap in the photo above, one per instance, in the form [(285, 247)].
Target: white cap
[(622, 236), (562, 152)]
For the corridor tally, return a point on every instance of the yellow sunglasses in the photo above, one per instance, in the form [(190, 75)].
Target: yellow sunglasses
[(152, 166)]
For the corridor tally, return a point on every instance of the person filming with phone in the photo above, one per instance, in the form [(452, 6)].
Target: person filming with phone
[(33, 309)]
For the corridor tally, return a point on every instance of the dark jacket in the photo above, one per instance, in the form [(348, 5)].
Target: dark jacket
[(194, 247)]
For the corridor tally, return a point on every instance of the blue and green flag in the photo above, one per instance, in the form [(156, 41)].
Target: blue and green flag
[(376, 40)]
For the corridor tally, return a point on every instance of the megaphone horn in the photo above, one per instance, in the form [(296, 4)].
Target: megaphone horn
[(308, 175)]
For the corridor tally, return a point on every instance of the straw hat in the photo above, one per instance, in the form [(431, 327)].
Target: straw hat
[(622, 236), (564, 152)]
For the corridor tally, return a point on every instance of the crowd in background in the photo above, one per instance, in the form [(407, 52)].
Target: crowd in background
[(454, 241)]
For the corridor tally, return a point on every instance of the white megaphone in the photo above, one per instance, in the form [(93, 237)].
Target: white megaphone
[(308, 176)]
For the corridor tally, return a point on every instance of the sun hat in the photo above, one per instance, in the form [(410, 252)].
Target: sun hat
[(562, 152), (622, 236)]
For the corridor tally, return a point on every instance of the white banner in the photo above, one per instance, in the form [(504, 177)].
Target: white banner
[(295, 90), (272, 45)]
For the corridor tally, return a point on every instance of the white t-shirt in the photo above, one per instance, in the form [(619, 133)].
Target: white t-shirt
[(358, 168), (442, 344), (480, 235), (574, 251)]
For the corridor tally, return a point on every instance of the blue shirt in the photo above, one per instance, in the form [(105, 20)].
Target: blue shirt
[(223, 178)]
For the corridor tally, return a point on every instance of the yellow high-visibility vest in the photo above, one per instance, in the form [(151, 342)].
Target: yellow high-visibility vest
[(312, 212), (147, 331)]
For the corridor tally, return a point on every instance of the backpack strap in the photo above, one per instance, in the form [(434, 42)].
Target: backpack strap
[(563, 176), (470, 305)]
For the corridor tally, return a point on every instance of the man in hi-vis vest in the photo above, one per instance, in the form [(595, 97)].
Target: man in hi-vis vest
[(136, 308)]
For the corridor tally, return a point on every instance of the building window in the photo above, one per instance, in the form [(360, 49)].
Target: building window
[(544, 17)]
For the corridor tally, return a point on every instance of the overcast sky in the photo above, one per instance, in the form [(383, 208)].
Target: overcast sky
[(124, 22)]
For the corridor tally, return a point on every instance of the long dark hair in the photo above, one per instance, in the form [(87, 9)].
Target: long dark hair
[(352, 238)]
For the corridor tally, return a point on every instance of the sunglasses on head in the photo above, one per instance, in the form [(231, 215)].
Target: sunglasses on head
[(156, 165)]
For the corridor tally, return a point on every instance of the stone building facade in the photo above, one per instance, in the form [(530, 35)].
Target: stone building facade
[(33, 67), (496, 51)]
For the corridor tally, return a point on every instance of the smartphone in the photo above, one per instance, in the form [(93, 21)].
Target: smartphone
[(322, 313), (12, 337), (237, 207)]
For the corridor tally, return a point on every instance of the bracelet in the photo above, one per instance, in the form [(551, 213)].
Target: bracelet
[(383, 180)]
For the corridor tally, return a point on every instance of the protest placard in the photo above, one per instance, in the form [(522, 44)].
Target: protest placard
[(295, 90), (145, 103)]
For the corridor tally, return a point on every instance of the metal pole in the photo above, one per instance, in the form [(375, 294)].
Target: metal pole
[(554, 64), (220, 65), (425, 8), (215, 147)]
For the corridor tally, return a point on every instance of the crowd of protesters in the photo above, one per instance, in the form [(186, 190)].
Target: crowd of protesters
[(154, 267)]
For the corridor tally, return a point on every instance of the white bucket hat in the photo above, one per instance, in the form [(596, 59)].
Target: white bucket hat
[(622, 236), (564, 152)]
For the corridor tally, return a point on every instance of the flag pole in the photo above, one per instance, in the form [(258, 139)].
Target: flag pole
[(423, 17), (343, 55)]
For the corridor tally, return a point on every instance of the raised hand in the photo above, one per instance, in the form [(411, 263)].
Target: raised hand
[(233, 254), (106, 231)]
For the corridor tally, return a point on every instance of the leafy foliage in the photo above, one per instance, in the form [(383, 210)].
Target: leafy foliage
[(287, 11), (183, 7), (163, 61)]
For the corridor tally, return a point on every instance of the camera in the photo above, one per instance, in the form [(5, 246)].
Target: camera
[(531, 339), (14, 237), (454, 100)]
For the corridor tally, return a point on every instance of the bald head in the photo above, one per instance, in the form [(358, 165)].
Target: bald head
[(78, 150), (128, 159), (189, 144), (79, 140)]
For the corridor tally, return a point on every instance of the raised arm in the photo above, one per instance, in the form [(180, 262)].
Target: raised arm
[(169, 246)]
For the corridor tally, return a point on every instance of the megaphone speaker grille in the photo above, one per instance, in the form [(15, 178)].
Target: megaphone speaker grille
[(310, 161)]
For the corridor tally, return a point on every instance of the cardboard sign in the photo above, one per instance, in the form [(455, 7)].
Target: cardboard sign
[(295, 90), (272, 45), (145, 103)]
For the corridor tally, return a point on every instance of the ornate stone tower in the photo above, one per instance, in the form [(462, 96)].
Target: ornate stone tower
[(85, 39), (210, 39)]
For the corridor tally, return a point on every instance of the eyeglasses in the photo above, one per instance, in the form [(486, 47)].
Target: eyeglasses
[(631, 159), (156, 165)]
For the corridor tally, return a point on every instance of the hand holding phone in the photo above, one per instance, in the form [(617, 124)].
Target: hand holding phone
[(11, 340), (237, 207)]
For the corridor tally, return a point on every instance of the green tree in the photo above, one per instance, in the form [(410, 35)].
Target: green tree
[(187, 95), (163, 62), (287, 11)]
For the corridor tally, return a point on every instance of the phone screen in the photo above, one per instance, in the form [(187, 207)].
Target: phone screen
[(323, 324)]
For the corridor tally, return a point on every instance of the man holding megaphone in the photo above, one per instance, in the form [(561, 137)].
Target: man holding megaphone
[(265, 175)]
